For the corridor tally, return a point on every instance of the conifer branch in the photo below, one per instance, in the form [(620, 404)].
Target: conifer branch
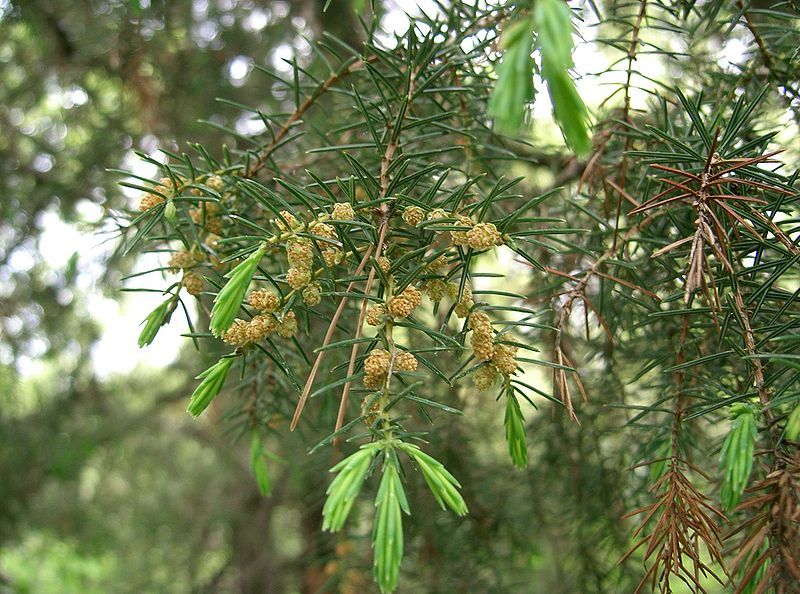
[(264, 155)]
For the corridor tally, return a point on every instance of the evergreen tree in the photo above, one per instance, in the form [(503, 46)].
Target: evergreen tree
[(346, 264)]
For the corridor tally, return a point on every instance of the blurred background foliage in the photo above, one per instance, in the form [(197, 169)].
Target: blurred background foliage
[(106, 485)]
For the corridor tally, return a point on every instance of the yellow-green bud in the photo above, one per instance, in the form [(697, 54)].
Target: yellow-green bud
[(288, 326), (343, 211), (413, 215)]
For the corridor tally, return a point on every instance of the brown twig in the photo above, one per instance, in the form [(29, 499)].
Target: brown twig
[(685, 527), (622, 170), (762, 47), (298, 113), (560, 382), (351, 365), (704, 191), (328, 335), (775, 503), (754, 361), (384, 214)]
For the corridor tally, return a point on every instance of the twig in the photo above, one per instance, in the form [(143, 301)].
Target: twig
[(559, 375), (384, 215), (334, 78), (328, 335)]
